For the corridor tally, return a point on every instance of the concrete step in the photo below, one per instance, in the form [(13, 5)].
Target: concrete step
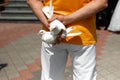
[(17, 10), (17, 0), (17, 5), (18, 19), (17, 13)]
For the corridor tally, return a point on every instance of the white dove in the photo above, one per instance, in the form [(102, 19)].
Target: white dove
[(55, 27), (47, 36)]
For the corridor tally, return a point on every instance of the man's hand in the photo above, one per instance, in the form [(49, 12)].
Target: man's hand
[(64, 19), (59, 37)]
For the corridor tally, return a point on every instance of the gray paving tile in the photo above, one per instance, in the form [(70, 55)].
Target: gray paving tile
[(3, 75), (36, 75), (109, 59), (3, 78), (11, 72)]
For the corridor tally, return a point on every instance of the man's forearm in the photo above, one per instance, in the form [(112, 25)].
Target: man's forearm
[(36, 6), (91, 8)]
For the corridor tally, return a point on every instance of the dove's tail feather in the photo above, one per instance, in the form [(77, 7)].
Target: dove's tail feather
[(73, 34)]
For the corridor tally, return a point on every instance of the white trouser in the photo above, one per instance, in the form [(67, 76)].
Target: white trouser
[(54, 61)]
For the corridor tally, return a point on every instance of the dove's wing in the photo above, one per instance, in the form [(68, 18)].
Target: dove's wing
[(48, 10), (69, 29), (51, 9)]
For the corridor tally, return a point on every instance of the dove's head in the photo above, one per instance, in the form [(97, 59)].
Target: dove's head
[(42, 32)]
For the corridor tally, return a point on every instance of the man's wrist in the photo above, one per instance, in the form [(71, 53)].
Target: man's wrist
[(68, 19)]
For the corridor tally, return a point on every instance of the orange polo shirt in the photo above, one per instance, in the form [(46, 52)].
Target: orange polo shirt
[(86, 26)]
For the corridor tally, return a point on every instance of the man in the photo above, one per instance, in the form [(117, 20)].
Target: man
[(80, 14)]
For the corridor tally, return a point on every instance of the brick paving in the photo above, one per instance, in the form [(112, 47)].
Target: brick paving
[(20, 48)]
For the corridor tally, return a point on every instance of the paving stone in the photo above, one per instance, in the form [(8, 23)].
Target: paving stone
[(26, 74), (3, 75), (37, 75), (20, 48), (3, 78)]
